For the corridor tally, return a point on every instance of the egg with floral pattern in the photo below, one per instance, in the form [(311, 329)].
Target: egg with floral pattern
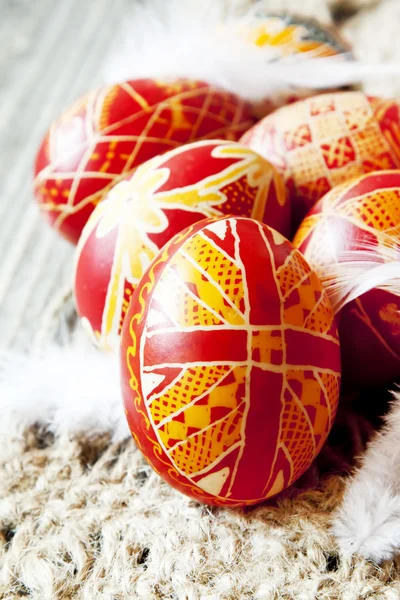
[(326, 140), (352, 239), (163, 196), (106, 134), (230, 362)]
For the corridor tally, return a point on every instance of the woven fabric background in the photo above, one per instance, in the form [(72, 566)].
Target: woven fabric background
[(83, 518)]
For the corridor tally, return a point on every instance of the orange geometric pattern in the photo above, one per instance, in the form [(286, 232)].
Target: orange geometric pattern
[(238, 408), (192, 384), (378, 210), (326, 140), (105, 135), (297, 436), (292, 272), (202, 449)]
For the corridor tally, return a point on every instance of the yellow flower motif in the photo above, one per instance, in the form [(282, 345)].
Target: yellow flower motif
[(134, 209)]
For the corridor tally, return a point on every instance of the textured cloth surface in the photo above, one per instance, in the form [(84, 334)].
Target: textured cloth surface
[(84, 518)]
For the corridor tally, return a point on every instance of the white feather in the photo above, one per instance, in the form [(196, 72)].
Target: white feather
[(368, 522), (66, 389), (198, 39), (356, 272)]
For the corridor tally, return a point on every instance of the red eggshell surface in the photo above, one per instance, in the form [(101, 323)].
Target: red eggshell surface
[(105, 135), (230, 362), (353, 216), (326, 140), (142, 213)]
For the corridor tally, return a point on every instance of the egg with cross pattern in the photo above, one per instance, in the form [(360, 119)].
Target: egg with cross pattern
[(230, 362)]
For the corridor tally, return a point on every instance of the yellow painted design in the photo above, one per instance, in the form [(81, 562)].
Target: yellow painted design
[(287, 39), (267, 347), (197, 452), (221, 270), (297, 433), (134, 208), (191, 384), (379, 210), (292, 272), (198, 416), (181, 305)]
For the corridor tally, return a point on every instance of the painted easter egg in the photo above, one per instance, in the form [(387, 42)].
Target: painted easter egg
[(350, 237), (162, 197), (326, 140), (284, 36), (230, 362), (290, 34), (105, 135)]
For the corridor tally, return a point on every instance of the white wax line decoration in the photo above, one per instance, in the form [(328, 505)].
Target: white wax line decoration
[(305, 413), (149, 400), (264, 366), (212, 465), (244, 327), (284, 361), (203, 235), (323, 388), (221, 456), (182, 284), (201, 431), (212, 281), (195, 400), (249, 350)]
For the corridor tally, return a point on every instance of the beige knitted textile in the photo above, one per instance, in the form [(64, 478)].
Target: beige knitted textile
[(87, 519)]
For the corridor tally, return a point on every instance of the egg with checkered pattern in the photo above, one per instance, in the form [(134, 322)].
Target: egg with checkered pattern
[(142, 212), (230, 362), (351, 237), (106, 134), (325, 140)]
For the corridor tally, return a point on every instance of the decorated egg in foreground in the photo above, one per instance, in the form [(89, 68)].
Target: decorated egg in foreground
[(284, 36), (351, 237), (163, 196), (326, 140), (230, 362), (105, 135)]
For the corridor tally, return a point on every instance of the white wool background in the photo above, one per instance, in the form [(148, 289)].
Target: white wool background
[(368, 521), (69, 389)]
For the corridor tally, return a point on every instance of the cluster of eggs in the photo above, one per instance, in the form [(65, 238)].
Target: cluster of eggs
[(182, 206)]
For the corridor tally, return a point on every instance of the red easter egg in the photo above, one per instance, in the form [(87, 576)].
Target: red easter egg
[(163, 196), (326, 140), (105, 135), (230, 362), (354, 223)]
